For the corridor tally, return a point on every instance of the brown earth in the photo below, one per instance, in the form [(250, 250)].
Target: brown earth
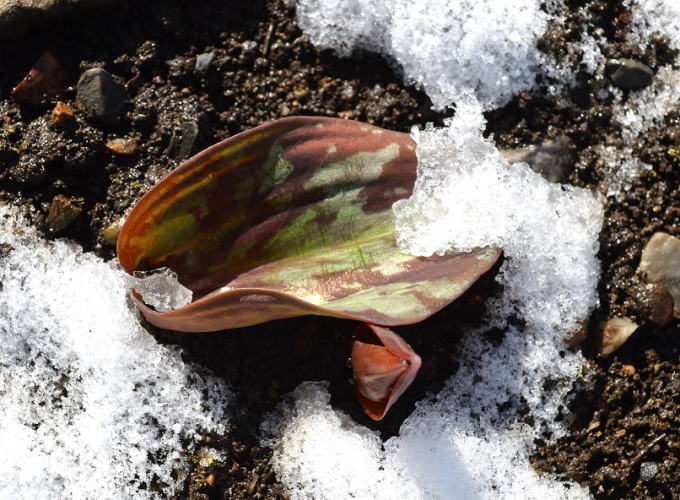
[(625, 429)]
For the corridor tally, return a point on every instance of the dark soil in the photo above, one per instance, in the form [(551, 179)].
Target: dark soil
[(625, 413)]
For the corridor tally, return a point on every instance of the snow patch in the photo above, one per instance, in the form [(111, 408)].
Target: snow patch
[(439, 46), (648, 107), (438, 43), (92, 405)]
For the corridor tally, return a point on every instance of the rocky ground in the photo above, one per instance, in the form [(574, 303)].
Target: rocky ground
[(132, 90)]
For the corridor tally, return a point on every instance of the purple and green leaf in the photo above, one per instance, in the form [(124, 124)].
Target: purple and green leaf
[(292, 218)]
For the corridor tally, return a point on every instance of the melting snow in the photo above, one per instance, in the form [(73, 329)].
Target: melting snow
[(438, 43), (160, 288), (650, 17), (92, 406)]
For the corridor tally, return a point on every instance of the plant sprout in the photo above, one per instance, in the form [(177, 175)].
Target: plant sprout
[(291, 218)]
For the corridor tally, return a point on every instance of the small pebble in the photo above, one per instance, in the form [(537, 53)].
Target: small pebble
[(613, 334), (62, 113), (648, 470), (122, 146), (628, 370), (252, 484), (660, 263), (63, 212), (181, 145), (203, 62), (249, 47), (629, 73), (110, 234), (655, 301), (100, 96), (554, 159), (593, 425)]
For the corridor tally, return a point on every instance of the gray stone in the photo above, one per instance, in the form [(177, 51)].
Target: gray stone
[(553, 159), (181, 145), (203, 61), (629, 73), (100, 96), (648, 470), (17, 16)]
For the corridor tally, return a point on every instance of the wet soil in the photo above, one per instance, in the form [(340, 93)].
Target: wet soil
[(625, 434)]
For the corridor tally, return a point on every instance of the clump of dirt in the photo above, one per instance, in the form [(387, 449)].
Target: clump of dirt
[(193, 76)]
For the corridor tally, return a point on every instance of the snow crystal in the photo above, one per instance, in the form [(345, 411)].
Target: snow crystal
[(438, 46), (160, 288), (648, 107), (324, 440), (468, 441), (438, 43), (92, 406), (621, 168), (592, 58), (649, 17)]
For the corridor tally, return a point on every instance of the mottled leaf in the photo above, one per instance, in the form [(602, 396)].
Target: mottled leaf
[(290, 218)]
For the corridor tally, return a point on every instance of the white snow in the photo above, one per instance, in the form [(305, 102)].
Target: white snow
[(648, 107), (438, 44), (654, 17), (457, 49), (92, 406), (466, 196), (592, 58)]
